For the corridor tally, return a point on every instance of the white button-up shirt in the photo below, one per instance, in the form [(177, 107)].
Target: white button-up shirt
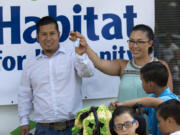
[(51, 86)]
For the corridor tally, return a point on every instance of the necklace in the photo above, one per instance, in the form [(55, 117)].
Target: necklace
[(136, 66)]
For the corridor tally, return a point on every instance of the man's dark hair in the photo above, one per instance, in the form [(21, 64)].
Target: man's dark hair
[(170, 108), (46, 20), (156, 72), (148, 30)]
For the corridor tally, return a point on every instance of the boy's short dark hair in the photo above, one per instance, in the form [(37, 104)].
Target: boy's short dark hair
[(46, 20), (156, 72), (170, 108)]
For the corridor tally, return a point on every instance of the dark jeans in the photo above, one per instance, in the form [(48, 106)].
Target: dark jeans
[(46, 130)]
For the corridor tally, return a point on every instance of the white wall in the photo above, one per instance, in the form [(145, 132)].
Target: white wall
[(9, 119)]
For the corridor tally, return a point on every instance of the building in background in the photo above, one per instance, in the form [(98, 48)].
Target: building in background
[(167, 29)]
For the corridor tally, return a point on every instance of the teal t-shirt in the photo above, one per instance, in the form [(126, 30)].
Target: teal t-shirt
[(130, 84)]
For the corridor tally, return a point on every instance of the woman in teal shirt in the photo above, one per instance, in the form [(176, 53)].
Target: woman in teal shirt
[(140, 45)]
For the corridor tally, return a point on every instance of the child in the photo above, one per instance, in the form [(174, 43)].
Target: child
[(154, 78), (168, 115), (123, 121)]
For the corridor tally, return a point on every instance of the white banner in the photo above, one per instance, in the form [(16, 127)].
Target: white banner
[(105, 23)]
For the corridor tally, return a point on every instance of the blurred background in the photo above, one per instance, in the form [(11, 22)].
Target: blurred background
[(167, 40)]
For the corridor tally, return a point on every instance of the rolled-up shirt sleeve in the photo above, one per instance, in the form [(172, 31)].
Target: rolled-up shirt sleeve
[(24, 99), (84, 66)]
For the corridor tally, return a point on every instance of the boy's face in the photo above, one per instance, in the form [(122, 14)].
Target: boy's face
[(146, 86), (163, 124)]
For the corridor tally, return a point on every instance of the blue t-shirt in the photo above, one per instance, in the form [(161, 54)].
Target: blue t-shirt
[(152, 121)]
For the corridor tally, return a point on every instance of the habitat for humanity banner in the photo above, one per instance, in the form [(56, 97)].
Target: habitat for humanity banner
[(106, 24)]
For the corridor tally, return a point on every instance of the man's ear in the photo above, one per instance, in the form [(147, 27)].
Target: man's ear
[(59, 34), (37, 36)]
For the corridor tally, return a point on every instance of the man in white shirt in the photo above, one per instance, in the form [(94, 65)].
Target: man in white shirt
[(168, 116), (51, 83)]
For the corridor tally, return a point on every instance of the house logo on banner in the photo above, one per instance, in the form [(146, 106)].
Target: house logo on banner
[(106, 26)]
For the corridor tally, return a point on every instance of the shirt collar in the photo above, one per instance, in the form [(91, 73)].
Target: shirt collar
[(165, 92), (175, 133), (60, 50)]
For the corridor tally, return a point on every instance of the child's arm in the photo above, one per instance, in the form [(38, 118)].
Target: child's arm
[(145, 102)]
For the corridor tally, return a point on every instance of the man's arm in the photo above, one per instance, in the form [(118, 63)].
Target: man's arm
[(24, 103), (84, 66), (145, 102)]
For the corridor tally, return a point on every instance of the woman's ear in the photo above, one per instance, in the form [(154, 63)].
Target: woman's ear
[(137, 124), (151, 43)]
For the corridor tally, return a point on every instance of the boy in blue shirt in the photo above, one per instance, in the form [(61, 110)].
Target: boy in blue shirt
[(168, 117), (154, 78)]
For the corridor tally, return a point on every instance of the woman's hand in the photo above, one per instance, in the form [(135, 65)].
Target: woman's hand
[(82, 43)]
